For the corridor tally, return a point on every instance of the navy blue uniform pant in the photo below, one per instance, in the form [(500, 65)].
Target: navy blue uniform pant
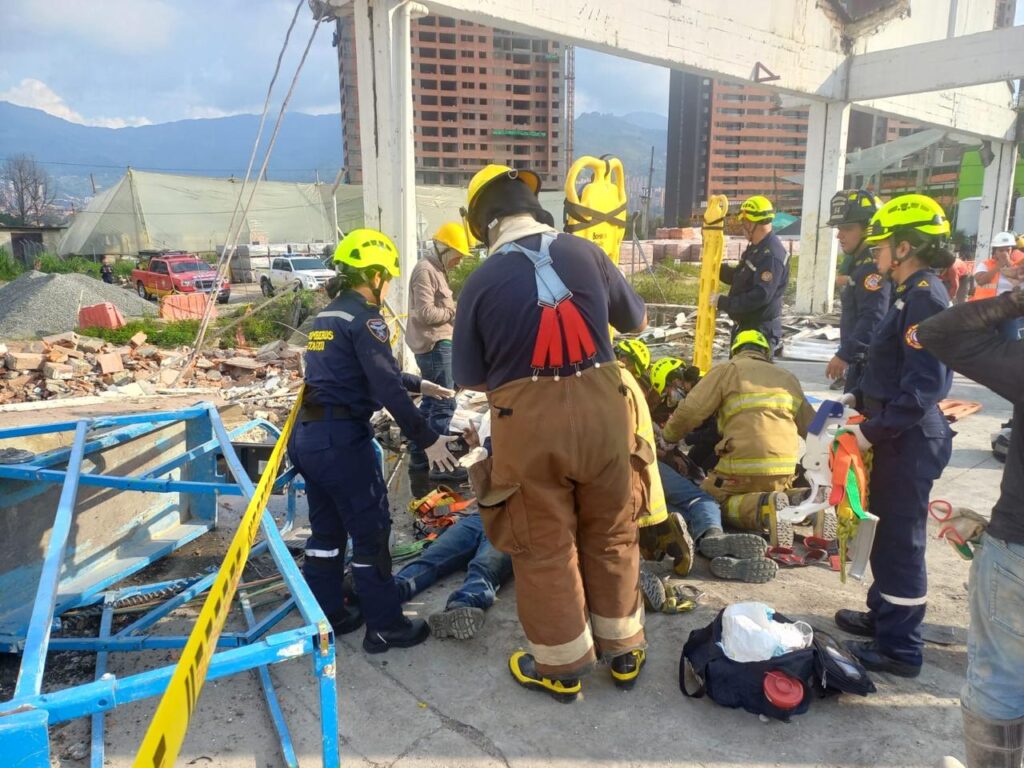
[(347, 497), (854, 372), (902, 473)]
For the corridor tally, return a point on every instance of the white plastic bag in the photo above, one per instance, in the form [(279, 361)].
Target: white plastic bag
[(750, 634)]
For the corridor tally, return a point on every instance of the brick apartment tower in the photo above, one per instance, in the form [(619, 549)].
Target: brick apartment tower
[(480, 95), (734, 140)]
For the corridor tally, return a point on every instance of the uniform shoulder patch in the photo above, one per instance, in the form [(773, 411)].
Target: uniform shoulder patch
[(766, 277), (911, 337), (873, 282), (378, 329), (923, 284)]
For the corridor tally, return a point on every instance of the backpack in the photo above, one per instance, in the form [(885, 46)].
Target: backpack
[(826, 668)]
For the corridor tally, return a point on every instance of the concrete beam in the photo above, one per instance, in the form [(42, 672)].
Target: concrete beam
[(794, 39), (984, 57), (996, 195), (823, 176)]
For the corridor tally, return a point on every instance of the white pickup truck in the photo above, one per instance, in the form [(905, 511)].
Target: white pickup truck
[(293, 273)]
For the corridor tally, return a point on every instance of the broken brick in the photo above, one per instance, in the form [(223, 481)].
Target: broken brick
[(57, 371), (110, 362), (25, 361), (138, 339), (69, 339), (90, 344)]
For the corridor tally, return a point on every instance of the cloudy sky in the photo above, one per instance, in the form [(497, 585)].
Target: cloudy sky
[(131, 62)]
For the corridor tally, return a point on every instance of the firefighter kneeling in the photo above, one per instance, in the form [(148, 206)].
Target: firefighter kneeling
[(761, 411)]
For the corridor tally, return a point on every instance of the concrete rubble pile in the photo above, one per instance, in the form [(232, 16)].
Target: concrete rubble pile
[(68, 365)]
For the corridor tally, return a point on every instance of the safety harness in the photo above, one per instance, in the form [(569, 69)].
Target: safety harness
[(439, 509), (560, 319)]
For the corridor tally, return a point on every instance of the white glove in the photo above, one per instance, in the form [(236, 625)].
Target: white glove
[(713, 300), (849, 400), (862, 442), (430, 389), (438, 454)]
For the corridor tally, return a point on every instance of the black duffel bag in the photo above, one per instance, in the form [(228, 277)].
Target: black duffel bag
[(824, 668)]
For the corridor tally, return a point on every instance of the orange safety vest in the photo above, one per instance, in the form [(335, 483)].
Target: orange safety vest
[(991, 289)]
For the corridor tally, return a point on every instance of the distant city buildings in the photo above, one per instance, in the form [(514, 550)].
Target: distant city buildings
[(480, 95)]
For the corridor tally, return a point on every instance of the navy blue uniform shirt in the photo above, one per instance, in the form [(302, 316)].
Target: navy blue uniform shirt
[(865, 302), (756, 286), (498, 316), (901, 375), (349, 363)]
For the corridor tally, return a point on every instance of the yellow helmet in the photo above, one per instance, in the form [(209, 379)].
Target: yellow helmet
[(757, 209), (492, 172), (453, 234), (661, 371), (750, 338), (634, 351), (1020, 241), (916, 212), (364, 248)]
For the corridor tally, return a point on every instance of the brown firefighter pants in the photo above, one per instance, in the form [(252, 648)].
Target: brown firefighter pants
[(742, 497), (571, 526)]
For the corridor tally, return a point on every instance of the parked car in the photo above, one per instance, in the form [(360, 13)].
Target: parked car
[(294, 273), (178, 273)]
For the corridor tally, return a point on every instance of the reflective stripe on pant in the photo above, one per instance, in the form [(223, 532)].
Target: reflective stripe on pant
[(902, 473), (742, 497), (347, 496), (570, 527)]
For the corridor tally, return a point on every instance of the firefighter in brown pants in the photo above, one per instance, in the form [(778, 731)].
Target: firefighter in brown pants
[(531, 332)]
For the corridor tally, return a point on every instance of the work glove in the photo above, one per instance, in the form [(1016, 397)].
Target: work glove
[(439, 455), (862, 442), (714, 299), (430, 389), (849, 400)]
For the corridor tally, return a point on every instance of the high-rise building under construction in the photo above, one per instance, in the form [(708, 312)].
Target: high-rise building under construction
[(480, 95)]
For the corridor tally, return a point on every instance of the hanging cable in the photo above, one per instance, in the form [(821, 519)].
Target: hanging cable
[(232, 241)]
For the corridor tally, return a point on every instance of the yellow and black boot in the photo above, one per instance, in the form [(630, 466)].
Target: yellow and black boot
[(522, 667), (780, 532), (670, 537), (626, 669)]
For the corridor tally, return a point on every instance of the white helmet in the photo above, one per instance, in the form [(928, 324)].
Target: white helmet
[(1004, 240)]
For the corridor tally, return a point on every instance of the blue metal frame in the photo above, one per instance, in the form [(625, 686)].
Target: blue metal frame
[(24, 720)]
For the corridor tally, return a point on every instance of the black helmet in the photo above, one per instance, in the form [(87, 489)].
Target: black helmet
[(852, 206)]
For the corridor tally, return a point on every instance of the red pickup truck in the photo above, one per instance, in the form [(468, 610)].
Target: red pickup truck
[(178, 273)]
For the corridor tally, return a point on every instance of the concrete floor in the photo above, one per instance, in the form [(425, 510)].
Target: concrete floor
[(447, 703)]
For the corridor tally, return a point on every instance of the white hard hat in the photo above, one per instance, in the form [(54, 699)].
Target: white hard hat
[(1004, 240)]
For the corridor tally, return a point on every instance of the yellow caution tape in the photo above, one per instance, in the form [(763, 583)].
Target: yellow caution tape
[(167, 730)]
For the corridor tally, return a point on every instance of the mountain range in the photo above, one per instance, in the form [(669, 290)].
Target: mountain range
[(306, 146)]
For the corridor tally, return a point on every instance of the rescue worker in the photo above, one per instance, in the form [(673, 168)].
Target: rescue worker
[(992, 702), (532, 332), (758, 282), (997, 275), (909, 437), (865, 297), (662, 531), (761, 412), (429, 329), (350, 374), (675, 379)]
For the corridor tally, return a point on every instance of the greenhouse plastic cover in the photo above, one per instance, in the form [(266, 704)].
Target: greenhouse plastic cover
[(145, 211)]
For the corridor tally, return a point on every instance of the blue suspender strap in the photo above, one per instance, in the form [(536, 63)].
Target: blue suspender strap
[(551, 291)]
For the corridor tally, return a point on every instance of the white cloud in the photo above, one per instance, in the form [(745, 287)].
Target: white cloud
[(38, 95), (200, 113), (126, 26)]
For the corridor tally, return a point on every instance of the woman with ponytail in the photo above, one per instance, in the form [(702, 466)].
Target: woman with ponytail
[(909, 437)]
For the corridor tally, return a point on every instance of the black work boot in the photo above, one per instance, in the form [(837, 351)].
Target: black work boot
[(348, 619), (855, 622), (404, 634), (524, 671), (626, 669), (751, 570), (877, 660)]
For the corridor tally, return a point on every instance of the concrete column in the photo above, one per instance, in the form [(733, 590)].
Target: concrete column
[(386, 137), (824, 167), (996, 195)]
